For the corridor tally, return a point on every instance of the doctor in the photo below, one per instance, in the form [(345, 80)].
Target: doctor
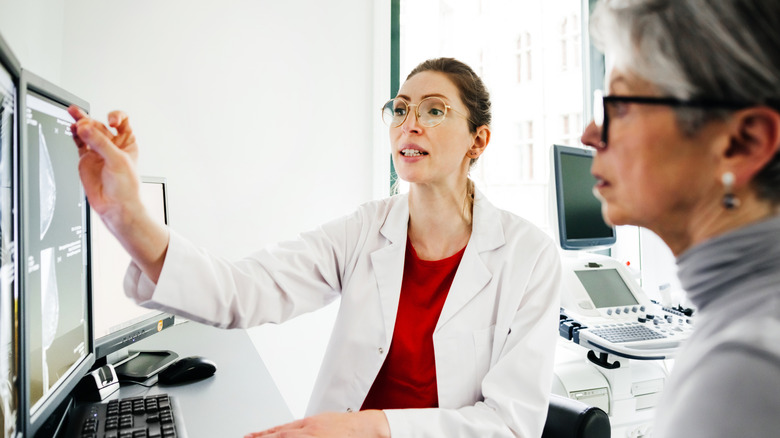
[(449, 306)]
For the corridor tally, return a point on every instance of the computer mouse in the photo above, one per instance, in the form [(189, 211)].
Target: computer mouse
[(187, 369)]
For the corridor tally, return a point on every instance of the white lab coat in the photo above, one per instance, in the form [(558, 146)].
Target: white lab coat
[(494, 341)]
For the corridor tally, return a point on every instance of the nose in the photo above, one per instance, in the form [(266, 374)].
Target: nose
[(411, 124), (592, 137)]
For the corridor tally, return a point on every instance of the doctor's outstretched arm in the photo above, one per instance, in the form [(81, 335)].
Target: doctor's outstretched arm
[(107, 168)]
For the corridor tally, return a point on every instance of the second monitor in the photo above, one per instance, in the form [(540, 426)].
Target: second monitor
[(119, 322), (580, 222)]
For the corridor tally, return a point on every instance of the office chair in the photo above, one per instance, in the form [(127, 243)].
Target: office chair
[(569, 418)]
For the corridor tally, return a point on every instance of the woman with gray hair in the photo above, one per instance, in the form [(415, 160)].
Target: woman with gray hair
[(687, 142)]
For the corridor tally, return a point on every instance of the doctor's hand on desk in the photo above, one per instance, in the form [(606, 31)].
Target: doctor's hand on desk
[(107, 168), (370, 423)]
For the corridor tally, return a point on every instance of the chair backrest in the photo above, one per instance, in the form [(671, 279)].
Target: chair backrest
[(569, 418)]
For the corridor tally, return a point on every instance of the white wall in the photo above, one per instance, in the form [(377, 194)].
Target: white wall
[(33, 29), (262, 114), (258, 112)]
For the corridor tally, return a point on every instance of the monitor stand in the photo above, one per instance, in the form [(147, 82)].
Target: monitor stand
[(141, 365)]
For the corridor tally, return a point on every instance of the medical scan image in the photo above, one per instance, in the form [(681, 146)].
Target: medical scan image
[(47, 187), (54, 245)]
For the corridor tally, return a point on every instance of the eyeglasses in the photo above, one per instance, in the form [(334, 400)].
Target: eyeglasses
[(605, 107), (430, 112)]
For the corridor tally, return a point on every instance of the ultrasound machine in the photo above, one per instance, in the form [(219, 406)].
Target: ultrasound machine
[(615, 341)]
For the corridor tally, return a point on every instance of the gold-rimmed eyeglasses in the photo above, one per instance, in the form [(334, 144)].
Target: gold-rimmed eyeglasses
[(430, 112)]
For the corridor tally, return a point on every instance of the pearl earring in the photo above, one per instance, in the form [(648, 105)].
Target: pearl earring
[(729, 201)]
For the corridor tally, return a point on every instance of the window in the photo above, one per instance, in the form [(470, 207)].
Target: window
[(511, 44), (524, 67), (526, 146), (571, 129), (570, 42)]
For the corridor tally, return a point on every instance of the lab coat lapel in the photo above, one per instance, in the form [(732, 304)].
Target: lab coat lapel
[(388, 262), (487, 234)]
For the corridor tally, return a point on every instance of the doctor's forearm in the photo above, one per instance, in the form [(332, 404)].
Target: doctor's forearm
[(147, 243)]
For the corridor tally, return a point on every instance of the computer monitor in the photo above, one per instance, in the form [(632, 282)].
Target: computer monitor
[(581, 225), (9, 316), (119, 322), (57, 349)]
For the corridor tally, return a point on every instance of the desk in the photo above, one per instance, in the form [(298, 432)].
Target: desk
[(240, 398)]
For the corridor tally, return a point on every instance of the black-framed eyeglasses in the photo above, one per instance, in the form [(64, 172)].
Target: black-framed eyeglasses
[(604, 106)]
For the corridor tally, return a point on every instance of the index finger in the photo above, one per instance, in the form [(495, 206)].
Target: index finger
[(76, 112)]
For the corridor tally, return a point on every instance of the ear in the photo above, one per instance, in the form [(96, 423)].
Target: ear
[(481, 140), (755, 141)]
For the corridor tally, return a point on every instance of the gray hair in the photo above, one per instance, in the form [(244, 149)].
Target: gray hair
[(700, 49)]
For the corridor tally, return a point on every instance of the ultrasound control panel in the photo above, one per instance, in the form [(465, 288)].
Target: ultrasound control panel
[(604, 309)]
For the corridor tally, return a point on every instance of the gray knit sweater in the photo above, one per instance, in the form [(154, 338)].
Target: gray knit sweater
[(726, 381)]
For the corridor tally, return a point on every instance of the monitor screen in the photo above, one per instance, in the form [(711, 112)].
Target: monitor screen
[(54, 259), (580, 223), (9, 315), (119, 322), (606, 288)]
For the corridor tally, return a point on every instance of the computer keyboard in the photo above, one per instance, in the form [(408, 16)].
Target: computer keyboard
[(627, 333), (151, 416)]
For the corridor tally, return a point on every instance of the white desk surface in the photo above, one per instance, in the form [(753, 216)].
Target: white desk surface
[(241, 397)]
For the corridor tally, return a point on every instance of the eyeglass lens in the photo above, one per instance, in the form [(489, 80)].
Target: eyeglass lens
[(430, 111), (600, 113)]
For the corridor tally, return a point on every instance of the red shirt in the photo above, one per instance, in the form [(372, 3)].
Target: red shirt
[(408, 376)]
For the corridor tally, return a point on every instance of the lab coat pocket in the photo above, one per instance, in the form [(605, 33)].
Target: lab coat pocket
[(462, 360)]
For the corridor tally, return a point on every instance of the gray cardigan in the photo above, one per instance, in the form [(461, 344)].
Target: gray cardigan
[(726, 381)]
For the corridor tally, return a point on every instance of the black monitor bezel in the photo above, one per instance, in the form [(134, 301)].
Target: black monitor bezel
[(564, 240), (45, 415), (126, 337), (11, 64)]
